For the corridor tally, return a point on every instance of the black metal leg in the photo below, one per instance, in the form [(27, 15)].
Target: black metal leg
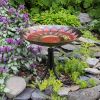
[(51, 61), (50, 58), (50, 64)]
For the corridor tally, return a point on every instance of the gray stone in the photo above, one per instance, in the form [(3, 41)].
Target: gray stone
[(38, 95), (85, 94), (3, 98), (69, 47), (25, 95), (82, 39), (74, 87), (92, 70), (92, 61), (63, 91), (97, 54), (16, 85), (95, 48), (76, 43), (97, 66), (84, 17), (85, 78), (49, 90)]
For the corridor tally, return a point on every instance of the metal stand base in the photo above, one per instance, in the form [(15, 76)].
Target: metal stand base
[(51, 65)]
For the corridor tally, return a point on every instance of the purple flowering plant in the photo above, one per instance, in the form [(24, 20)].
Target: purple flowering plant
[(14, 52)]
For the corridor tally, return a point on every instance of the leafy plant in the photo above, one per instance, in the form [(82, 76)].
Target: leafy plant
[(89, 35), (62, 17), (73, 65), (15, 53), (83, 84), (51, 81), (55, 96), (92, 82)]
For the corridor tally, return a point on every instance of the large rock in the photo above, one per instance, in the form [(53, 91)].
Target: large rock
[(92, 61), (92, 70), (69, 47), (85, 94), (16, 85), (84, 17), (97, 54), (25, 95), (63, 91), (98, 66), (38, 95), (49, 90), (82, 39)]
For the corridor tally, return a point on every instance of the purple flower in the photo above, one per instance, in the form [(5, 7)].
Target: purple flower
[(10, 40), (33, 65), (4, 49), (12, 10), (3, 70), (3, 3), (25, 17), (4, 19), (8, 48), (21, 7), (39, 48), (34, 51), (19, 41)]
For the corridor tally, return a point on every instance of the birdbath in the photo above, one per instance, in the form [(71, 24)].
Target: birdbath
[(51, 36)]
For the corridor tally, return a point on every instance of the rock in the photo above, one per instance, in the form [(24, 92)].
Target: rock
[(84, 17), (75, 43), (97, 66), (92, 61), (82, 39), (63, 91), (38, 95), (92, 70), (85, 94), (16, 85), (95, 48), (74, 87), (25, 95), (97, 54), (3, 98), (49, 90), (85, 78), (97, 43), (69, 47)]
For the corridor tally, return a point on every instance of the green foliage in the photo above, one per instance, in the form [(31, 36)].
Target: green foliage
[(92, 82), (55, 96), (75, 65), (83, 84), (55, 4), (3, 77), (51, 81), (62, 17), (84, 49), (95, 14), (89, 35)]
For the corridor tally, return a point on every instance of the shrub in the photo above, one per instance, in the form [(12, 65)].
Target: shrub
[(62, 17)]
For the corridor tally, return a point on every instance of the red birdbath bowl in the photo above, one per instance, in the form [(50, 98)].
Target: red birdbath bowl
[(51, 36)]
